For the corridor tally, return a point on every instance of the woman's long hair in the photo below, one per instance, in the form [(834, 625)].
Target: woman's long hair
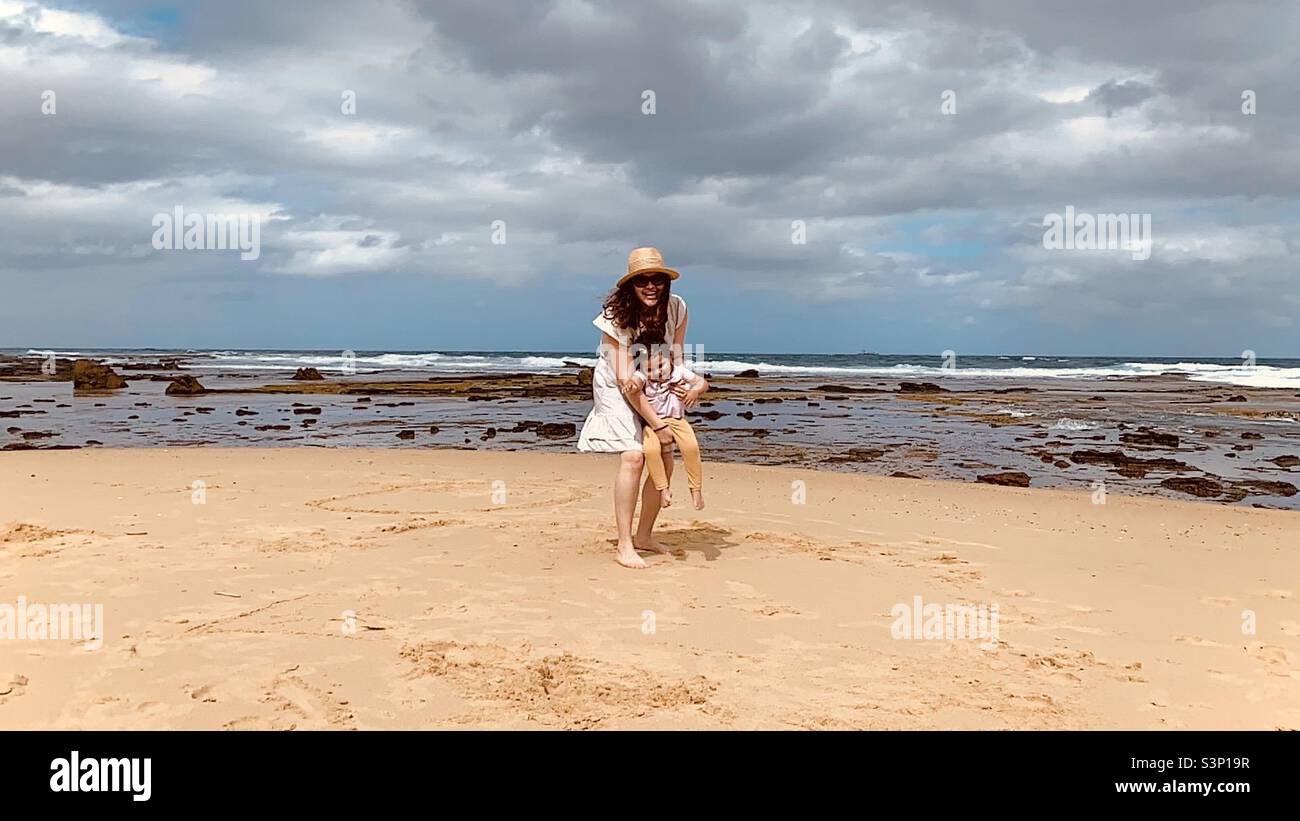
[(626, 311)]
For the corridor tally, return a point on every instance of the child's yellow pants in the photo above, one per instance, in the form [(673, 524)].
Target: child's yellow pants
[(684, 436)]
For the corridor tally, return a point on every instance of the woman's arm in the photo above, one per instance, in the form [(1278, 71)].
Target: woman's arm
[(624, 372)]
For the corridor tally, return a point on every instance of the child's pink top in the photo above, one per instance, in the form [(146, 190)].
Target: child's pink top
[(660, 394)]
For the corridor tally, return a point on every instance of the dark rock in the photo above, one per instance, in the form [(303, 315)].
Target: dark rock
[(898, 474), (93, 442), (746, 415), (1287, 461), (1250, 434), (1061, 463), (1237, 398), (569, 364), (920, 387), (748, 373), (557, 430), (433, 429), (307, 374), (1130, 466), (1202, 486), (310, 411), (1262, 487), (185, 386), (406, 434), (857, 455), (1011, 478), (271, 427), (490, 433), (90, 375), (36, 434), (1150, 438), (711, 415), (585, 376), (844, 389), (245, 412)]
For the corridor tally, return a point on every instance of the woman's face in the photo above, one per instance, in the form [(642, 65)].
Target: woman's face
[(649, 288)]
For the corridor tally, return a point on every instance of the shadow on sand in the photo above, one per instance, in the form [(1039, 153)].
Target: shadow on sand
[(708, 540)]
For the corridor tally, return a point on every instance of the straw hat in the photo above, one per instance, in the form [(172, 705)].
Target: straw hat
[(646, 261)]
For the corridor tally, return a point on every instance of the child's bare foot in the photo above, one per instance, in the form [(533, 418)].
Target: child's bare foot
[(698, 498), (665, 498), (627, 557)]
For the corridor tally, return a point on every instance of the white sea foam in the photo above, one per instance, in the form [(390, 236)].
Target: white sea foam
[(1262, 376), (1065, 423)]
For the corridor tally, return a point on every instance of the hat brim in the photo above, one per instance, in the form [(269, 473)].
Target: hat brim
[(669, 271)]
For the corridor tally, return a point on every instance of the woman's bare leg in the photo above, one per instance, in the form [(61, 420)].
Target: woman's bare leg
[(650, 504), (630, 464)]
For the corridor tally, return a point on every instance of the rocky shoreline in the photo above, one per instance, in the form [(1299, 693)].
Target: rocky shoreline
[(1152, 435)]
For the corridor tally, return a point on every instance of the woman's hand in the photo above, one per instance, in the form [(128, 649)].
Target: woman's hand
[(665, 435), (690, 395)]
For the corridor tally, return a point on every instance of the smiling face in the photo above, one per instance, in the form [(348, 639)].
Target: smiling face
[(650, 288)]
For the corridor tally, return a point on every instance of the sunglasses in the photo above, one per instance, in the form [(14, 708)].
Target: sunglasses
[(646, 280)]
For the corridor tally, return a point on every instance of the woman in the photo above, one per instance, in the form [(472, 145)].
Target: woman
[(641, 301)]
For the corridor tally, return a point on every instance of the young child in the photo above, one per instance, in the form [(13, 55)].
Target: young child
[(658, 380)]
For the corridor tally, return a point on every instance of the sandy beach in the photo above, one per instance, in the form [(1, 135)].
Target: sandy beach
[(360, 588)]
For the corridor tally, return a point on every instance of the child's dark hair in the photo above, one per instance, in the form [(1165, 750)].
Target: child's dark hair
[(648, 343)]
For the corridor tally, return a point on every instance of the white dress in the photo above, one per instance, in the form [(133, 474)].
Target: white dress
[(612, 426)]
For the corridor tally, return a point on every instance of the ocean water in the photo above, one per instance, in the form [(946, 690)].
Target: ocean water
[(1265, 373)]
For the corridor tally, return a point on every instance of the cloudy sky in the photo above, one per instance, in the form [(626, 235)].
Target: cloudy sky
[(922, 210)]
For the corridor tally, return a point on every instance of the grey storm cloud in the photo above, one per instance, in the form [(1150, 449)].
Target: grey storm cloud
[(765, 113)]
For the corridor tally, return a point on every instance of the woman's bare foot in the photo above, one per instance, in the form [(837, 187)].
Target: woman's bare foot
[(665, 498), (627, 557), (653, 545), (698, 498)]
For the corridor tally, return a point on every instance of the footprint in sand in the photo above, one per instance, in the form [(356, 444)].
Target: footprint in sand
[(1279, 661), (1197, 641), (203, 694), (1218, 601), (775, 609), (12, 685), (1277, 594)]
